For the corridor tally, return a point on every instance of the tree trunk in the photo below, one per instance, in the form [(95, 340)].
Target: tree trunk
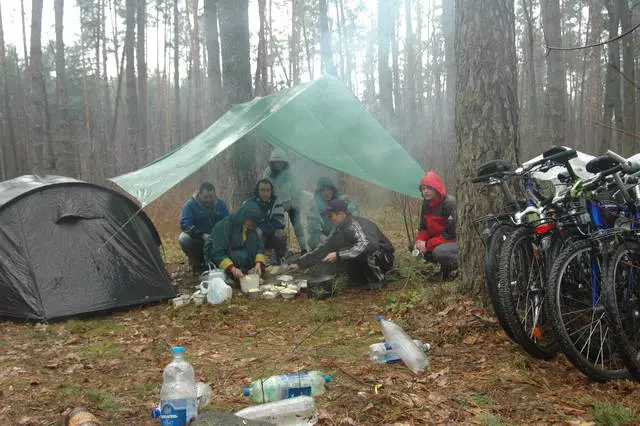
[(612, 101), (325, 39), (628, 145), (236, 80), (213, 61), (556, 114), (196, 72), (39, 163), (9, 145), (395, 64), (294, 44), (419, 71), (409, 81), (65, 151), (177, 122), (24, 35), (594, 81), (385, 78), (347, 37), (531, 98), (141, 61), (486, 115), (108, 148)]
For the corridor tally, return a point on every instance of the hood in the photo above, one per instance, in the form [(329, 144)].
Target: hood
[(256, 191), (279, 155), (325, 182), (433, 180), (248, 210)]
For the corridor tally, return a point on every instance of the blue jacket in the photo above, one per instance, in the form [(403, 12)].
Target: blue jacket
[(196, 219)]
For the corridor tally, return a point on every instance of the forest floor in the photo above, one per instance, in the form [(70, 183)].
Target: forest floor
[(113, 364)]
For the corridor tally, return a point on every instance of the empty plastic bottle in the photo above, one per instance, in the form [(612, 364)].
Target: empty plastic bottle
[(410, 354), (178, 397), (383, 353), (285, 386), (298, 411)]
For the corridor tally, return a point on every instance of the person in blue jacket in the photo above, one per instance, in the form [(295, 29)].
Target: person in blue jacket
[(198, 216)]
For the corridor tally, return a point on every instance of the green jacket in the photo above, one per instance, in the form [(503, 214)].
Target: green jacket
[(317, 224), (230, 245), (285, 185)]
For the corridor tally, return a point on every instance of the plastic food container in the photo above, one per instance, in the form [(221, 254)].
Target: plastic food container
[(248, 282)]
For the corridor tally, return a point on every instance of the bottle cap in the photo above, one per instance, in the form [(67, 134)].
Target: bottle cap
[(246, 392), (155, 413), (327, 378), (177, 350), (379, 318), (387, 346)]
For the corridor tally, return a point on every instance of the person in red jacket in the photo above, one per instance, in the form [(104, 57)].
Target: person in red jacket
[(436, 239)]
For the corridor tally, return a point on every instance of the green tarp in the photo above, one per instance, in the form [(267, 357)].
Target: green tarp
[(321, 121)]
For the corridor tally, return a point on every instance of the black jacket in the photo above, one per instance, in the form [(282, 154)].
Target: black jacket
[(353, 238)]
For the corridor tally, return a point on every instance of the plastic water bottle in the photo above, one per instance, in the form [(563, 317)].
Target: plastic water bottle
[(285, 386), (410, 354), (298, 411), (383, 353), (178, 397)]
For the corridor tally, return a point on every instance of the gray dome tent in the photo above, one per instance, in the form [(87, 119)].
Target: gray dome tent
[(69, 247)]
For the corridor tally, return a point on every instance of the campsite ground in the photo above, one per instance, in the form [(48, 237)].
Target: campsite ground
[(113, 364)]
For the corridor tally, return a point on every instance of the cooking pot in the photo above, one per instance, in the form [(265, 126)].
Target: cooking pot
[(320, 287)]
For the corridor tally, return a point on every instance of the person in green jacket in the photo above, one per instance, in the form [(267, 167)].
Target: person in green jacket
[(287, 188), (318, 225), (234, 245)]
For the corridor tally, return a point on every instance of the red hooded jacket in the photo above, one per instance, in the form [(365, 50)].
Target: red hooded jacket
[(438, 215)]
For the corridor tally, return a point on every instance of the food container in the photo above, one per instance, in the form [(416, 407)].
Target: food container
[(180, 300), (249, 282), (302, 285), (288, 293), (199, 298), (285, 279), (255, 293), (269, 295)]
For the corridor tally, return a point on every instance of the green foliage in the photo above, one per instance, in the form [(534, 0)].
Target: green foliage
[(614, 415), (492, 420), (404, 301), (104, 400)]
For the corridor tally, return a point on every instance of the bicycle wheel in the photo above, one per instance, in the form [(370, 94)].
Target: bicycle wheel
[(492, 273), (521, 289), (622, 299), (580, 322)]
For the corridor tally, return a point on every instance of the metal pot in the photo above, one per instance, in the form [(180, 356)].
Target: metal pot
[(321, 287)]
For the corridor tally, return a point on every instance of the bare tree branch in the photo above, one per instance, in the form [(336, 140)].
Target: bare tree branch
[(550, 48)]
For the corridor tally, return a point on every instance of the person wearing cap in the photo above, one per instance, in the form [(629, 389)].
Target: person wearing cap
[(358, 242), (289, 192), (436, 239), (318, 225), (198, 216), (234, 245)]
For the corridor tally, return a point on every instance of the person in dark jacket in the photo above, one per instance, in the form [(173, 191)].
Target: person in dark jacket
[(358, 242), (436, 239), (198, 216), (318, 225), (234, 245), (271, 225)]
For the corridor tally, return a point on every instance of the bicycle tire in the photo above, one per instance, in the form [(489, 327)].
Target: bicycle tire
[(539, 341), (492, 274), (576, 257), (622, 304)]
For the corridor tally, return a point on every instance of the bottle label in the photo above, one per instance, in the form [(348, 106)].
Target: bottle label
[(293, 392), (175, 412)]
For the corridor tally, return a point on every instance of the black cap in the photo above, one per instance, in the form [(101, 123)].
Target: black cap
[(334, 206)]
